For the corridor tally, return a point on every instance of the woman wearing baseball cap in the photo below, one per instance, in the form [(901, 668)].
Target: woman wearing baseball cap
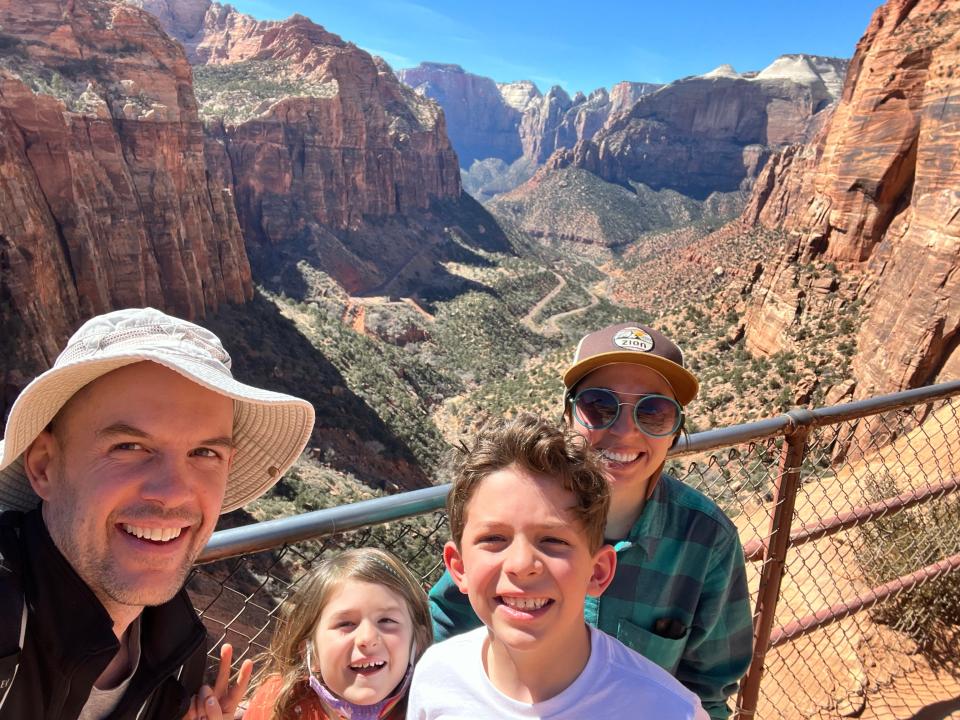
[(679, 596)]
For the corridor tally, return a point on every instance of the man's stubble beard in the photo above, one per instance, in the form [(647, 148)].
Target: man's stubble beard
[(100, 574)]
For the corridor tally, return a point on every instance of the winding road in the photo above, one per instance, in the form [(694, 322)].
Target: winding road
[(549, 326)]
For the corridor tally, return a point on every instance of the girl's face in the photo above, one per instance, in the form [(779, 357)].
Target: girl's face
[(362, 642), (629, 456)]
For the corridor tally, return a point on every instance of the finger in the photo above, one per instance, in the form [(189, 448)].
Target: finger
[(235, 694), (209, 707), (193, 711), (223, 672)]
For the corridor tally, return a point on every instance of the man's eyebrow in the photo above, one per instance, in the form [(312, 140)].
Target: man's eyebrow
[(222, 440), (122, 428)]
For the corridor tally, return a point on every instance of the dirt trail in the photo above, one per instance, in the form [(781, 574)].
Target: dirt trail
[(549, 326), (527, 320)]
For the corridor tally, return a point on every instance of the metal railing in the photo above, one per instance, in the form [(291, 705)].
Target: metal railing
[(842, 510)]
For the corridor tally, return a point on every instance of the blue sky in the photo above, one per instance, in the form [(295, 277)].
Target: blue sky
[(580, 45)]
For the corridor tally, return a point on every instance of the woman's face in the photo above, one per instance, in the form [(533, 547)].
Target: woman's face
[(629, 456)]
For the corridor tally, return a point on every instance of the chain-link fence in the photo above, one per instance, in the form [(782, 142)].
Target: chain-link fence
[(849, 516)]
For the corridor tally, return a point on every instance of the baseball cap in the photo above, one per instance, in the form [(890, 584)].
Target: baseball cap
[(633, 343)]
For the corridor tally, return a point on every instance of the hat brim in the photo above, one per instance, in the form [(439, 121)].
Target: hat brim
[(270, 429), (685, 385)]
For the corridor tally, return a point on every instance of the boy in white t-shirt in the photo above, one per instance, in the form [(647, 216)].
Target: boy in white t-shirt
[(527, 513)]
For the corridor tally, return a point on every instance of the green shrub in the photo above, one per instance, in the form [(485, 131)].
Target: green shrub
[(897, 545)]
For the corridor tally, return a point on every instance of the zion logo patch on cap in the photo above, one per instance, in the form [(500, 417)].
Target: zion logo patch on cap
[(633, 338)]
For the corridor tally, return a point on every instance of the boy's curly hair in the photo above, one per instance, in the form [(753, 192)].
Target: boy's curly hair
[(537, 446)]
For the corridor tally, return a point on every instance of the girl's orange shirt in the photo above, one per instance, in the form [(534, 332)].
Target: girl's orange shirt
[(308, 707), (263, 700)]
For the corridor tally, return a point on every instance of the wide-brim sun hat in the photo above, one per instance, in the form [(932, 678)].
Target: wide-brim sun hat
[(637, 344), (270, 429)]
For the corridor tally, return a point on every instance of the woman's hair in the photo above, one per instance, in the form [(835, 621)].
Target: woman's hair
[(286, 656)]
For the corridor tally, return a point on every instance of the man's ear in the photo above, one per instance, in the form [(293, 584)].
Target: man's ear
[(454, 562), (39, 460), (604, 566)]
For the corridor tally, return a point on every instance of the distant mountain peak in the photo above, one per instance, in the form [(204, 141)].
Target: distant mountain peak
[(439, 67), (726, 71)]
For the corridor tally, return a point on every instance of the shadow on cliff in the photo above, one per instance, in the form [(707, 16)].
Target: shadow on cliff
[(268, 350), (399, 255)]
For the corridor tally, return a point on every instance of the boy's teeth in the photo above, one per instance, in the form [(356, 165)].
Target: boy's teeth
[(366, 666), (155, 534), (525, 603), (619, 457)]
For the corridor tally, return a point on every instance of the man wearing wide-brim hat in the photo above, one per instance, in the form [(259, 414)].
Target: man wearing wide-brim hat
[(114, 468)]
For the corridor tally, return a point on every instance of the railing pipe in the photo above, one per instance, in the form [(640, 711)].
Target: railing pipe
[(733, 435), (271, 533), (753, 550), (840, 610), (771, 575), (884, 403), (329, 521)]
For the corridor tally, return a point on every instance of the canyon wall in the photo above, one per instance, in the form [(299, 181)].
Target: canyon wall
[(105, 196), (709, 133), (878, 194), (322, 142)]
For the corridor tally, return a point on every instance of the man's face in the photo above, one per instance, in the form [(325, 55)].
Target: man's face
[(525, 562), (132, 480)]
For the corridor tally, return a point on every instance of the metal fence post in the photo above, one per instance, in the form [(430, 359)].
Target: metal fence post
[(774, 558)]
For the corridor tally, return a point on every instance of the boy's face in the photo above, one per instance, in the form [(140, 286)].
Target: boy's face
[(524, 559)]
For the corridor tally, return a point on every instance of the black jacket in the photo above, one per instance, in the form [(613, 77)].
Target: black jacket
[(69, 637)]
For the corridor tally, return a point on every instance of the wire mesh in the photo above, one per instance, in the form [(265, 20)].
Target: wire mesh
[(885, 660)]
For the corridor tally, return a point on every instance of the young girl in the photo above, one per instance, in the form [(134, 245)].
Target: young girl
[(348, 641), (679, 594)]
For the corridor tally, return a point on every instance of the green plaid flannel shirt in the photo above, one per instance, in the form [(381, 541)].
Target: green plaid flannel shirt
[(683, 562)]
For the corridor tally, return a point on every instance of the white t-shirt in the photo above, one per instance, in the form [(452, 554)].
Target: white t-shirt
[(450, 682)]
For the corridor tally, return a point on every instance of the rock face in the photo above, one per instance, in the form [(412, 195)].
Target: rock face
[(105, 196), (709, 133), (624, 95), (878, 194), (509, 120), (481, 122), (321, 140)]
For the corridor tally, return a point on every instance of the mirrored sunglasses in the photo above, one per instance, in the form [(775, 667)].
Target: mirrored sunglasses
[(655, 415)]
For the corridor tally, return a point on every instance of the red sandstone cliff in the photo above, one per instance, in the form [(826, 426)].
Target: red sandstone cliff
[(708, 133), (322, 142), (105, 198), (878, 193)]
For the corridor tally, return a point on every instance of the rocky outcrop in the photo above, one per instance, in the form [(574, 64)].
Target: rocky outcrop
[(709, 133), (877, 194), (556, 121), (321, 141), (509, 120), (105, 196), (481, 122), (210, 32), (559, 122), (624, 95)]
